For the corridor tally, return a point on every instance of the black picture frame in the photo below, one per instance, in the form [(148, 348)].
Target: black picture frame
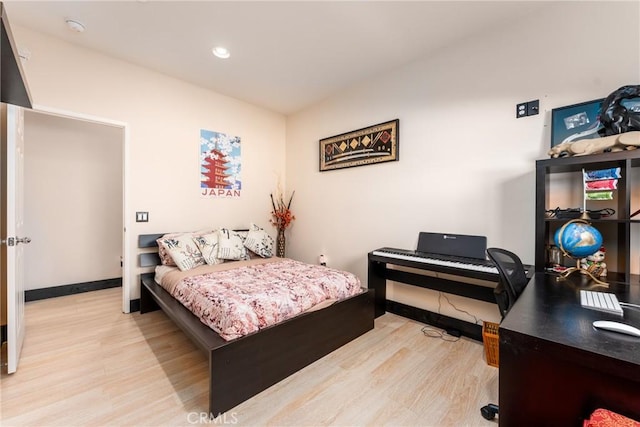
[(373, 144), (577, 121)]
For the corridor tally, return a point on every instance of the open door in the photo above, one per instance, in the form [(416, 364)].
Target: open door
[(13, 239)]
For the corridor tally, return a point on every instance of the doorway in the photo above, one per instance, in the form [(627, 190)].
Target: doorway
[(75, 188)]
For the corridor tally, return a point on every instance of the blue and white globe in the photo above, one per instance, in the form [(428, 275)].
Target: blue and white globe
[(578, 239)]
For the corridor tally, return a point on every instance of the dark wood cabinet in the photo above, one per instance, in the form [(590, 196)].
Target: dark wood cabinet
[(13, 89), (621, 233)]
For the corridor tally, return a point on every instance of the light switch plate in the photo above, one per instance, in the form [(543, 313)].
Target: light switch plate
[(142, 216)]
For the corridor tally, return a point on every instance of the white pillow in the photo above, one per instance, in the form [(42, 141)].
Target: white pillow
[(208, 245), (230, 246), (242, 234), (165, 258), (184, 251), (259, 242)]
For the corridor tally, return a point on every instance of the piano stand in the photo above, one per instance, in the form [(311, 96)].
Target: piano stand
[(379, 273)]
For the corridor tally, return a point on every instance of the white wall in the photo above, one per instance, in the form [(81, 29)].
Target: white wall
[(164, 117), (466, 163), (73, 201)]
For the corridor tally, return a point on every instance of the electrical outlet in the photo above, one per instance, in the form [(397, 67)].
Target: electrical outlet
[(530, 108), (521, 110)]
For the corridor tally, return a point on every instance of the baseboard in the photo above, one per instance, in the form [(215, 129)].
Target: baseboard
[(134, 305), (441, 321), (76, 288)]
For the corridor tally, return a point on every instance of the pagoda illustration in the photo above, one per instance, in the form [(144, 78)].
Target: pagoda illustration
[(215, 166)]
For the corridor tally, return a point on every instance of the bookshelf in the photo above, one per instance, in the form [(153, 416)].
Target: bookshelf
[(559, 180)]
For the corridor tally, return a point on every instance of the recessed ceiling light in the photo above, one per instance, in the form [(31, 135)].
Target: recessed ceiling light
[(221, 52), (74, 25)]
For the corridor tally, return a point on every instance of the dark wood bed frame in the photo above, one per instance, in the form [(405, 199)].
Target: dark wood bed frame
[(241, 368)]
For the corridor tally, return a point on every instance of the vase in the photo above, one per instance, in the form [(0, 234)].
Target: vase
[(280, 243)]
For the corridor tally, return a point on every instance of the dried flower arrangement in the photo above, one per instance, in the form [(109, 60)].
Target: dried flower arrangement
[(281, 214)]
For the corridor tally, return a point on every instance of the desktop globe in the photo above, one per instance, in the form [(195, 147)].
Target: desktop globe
[(578, 239)]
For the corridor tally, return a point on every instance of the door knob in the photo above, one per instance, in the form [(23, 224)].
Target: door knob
[(24, 240)]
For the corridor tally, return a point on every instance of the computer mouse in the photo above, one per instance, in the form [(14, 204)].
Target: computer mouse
[(623, 328)]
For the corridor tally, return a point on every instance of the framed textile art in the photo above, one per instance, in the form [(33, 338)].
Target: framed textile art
[(373, 144)]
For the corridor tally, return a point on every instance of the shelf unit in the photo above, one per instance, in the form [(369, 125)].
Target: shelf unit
[(617, 230)]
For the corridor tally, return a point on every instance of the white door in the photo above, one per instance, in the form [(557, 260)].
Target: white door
[(14, 239)]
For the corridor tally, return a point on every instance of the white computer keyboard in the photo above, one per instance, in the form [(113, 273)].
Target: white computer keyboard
[(602, 301)]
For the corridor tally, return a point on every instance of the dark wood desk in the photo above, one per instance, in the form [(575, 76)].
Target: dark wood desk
[(555, 368)]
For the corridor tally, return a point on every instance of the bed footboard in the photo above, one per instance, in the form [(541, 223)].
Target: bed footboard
[(246, 366), (241, 368)]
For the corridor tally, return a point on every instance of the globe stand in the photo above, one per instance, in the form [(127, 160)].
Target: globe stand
[(583, 219), (572, 270)]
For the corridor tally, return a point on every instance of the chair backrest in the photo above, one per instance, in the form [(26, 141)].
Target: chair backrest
[(513, 277)]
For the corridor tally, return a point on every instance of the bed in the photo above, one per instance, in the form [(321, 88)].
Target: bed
[(243, 367)]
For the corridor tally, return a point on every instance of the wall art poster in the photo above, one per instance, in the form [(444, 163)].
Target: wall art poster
[(220, 164), (574, 122)]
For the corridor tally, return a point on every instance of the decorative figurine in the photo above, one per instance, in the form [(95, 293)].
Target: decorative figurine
[(595, 264), (582, 147)]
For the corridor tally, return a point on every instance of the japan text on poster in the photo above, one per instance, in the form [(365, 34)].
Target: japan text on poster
[(219, 164)]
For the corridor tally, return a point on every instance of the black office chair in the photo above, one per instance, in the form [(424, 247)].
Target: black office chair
[(513, 280), (513, 276)]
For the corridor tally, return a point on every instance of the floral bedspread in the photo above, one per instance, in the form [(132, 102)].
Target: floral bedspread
[(243, 300)]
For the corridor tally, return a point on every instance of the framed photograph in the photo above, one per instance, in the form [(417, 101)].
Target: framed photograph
[(373, 144), (573, 122)]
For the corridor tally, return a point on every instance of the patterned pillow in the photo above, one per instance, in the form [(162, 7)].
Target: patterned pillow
[(184, 251), (259, 242), (606, 418), (208, 245), (242, 234), (230, 246), (165, 258)]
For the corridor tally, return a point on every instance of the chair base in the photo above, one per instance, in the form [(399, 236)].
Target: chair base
[(489, 412)]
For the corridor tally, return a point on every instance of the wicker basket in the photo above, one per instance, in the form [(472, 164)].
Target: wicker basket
[(490, 339)]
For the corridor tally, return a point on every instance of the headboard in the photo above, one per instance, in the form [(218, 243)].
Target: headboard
[(151, 259)]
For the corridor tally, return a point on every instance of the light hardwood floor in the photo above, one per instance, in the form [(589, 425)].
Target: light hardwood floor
[(84, 363)]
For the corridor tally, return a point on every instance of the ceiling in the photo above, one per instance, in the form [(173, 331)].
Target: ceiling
[(285, 56)]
